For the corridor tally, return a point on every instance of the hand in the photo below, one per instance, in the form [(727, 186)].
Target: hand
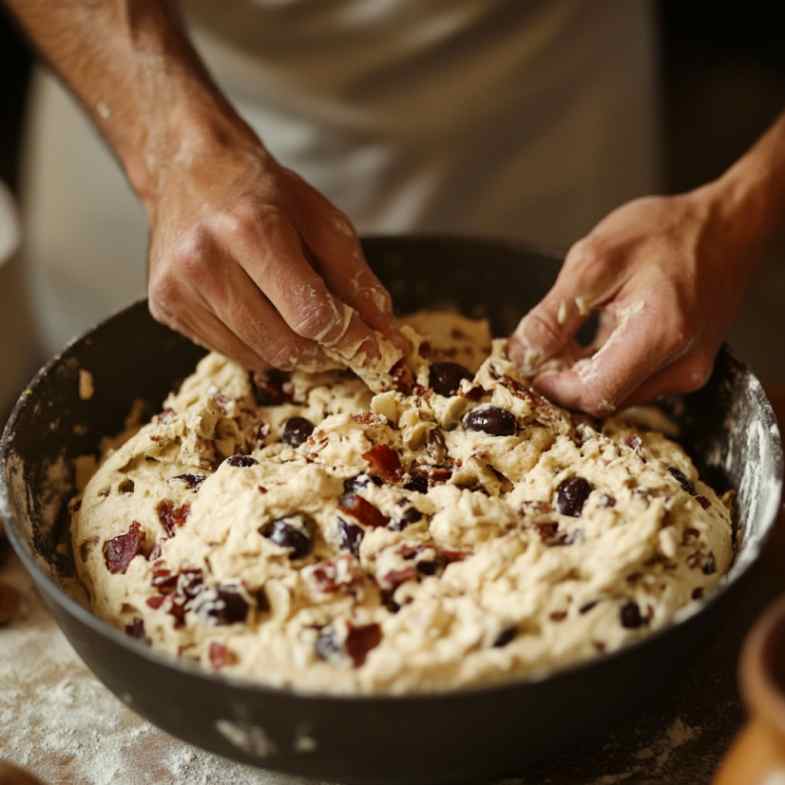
[(667, 275), (248, 259)]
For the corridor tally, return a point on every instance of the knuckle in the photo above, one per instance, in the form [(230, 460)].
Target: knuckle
[(249, 221), (163, 298), (190, 256), (194, 242), (250, 214), (679, 334), (266, 216), (542, 330), (313, 321)]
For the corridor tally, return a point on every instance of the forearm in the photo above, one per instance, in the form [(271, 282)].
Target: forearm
[(137, 75), (751, 193)]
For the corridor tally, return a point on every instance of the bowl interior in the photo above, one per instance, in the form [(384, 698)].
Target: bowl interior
[(728, 427)]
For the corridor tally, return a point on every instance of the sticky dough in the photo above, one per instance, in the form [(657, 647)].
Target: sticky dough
[(420, 554)]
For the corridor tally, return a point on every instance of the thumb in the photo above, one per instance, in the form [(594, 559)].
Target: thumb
[(550, 326), (585, 280)]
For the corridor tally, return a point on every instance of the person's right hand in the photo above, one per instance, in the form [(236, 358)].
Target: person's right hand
[(248, 259)]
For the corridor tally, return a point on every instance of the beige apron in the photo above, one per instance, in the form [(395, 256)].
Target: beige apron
[(528, 119)]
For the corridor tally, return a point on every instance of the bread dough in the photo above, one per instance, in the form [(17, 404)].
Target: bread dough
[(410, 542)]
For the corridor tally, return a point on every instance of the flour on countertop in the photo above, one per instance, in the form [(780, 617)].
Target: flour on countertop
[(63, 725)]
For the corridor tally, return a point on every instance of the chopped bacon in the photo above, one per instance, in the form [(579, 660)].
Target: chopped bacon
[(439, 473), (361, 640), (120, 550), (334, 574), (170, 516), (220, 656), (550, 534), (402, 377), (452, 556), (384, 462), (362, 510), (164, 581), (395, 578), (135, 629)]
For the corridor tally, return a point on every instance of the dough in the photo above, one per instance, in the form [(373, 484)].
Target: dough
[(307, 533)]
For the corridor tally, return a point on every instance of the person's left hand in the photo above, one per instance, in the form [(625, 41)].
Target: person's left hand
[(667, 275)]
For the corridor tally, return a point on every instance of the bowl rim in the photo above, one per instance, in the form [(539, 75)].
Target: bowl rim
[(103, 628)]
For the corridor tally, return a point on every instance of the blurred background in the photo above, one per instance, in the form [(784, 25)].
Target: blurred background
[(723, 82)]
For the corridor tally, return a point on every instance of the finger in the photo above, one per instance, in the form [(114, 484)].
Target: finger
[(204, 328), (269, 250), (251, 316), (339, 257), (646, 340), (585, 281), (686, 375)]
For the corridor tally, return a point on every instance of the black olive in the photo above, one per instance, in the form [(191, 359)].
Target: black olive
[(296, 431), (571, 495), (492, 420), (445, 378), (292, 532)]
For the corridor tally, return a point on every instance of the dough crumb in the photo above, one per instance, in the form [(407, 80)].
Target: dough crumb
[(86, 385)]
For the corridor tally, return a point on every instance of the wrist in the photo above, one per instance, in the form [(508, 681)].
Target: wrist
[(200, 126), (751, 193), (738, 214)]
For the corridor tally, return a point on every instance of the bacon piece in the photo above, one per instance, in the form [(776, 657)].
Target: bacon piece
[(135, 629), (334, 574), (361, 640), (384, 462), (119, 550), (220, 656), (170, 516), (395, 578), (403, 378), (362, 510)]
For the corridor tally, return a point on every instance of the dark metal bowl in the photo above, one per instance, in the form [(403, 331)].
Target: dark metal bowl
[(728, 426)]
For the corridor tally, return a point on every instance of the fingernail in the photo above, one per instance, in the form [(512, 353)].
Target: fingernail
[(381, 300)]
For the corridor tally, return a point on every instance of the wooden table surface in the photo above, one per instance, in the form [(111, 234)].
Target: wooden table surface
[(57, 720)]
